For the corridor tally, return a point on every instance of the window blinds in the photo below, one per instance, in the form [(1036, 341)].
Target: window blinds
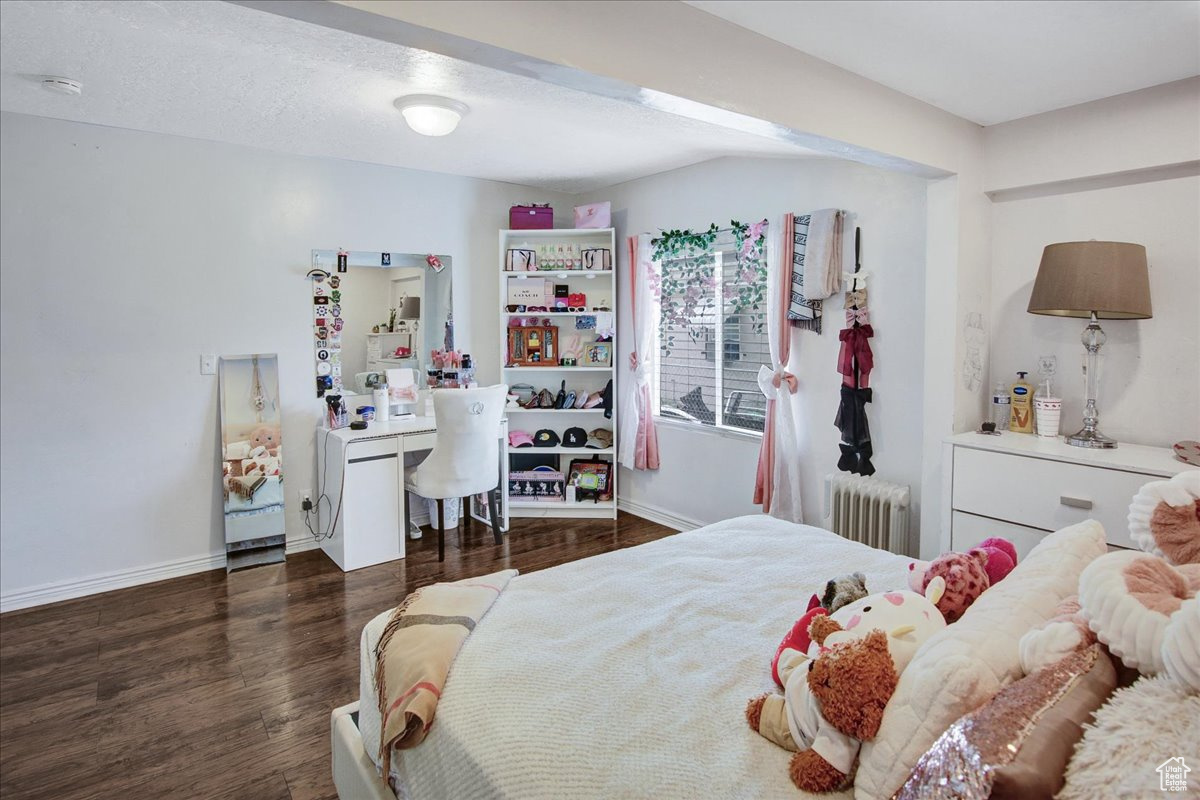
[(709, 355)]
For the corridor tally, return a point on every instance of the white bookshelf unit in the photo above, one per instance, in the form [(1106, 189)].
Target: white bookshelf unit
[(599, 287)]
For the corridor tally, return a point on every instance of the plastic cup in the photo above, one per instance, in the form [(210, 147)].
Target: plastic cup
[(1048, 413)]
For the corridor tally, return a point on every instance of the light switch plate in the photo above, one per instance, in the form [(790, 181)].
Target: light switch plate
[(208, 365)]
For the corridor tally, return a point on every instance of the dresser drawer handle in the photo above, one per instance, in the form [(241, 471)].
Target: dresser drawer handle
[(1075, 502)]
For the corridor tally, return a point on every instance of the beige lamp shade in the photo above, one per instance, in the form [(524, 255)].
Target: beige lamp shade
[(1078, 279)]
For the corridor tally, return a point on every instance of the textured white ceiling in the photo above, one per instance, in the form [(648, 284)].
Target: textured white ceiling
[(227, 73), (988, 60)]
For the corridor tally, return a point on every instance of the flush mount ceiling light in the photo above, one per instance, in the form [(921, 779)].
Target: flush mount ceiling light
[(429, 114)]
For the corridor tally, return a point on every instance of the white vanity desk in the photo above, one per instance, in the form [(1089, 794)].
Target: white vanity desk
[(361, 474)]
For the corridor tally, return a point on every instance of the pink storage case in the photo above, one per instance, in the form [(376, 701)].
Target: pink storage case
[(531, 217), (594, 215)]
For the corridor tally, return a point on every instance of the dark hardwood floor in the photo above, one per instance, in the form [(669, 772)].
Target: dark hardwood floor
[(215, 686)]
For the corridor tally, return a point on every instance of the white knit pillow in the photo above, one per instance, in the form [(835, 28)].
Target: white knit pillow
[(961, 667)]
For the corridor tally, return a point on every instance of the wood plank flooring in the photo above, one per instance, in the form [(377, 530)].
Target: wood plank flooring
[(215, 686)]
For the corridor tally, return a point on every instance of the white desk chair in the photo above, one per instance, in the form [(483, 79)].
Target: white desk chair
[(465, 459)]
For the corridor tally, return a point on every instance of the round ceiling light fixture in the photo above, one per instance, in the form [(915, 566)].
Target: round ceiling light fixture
[(430, 114), (55, 83)]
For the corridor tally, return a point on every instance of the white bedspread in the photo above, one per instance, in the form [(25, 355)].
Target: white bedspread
[(626, 675)]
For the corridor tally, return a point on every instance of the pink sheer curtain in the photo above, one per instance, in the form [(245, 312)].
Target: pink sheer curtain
[(639, 438), (777, 376)]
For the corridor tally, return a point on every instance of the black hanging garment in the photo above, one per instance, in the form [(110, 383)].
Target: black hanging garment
[(856, 435), (855, 362)]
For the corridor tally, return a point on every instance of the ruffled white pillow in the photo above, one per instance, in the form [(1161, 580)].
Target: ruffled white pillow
[(1178, 537), (962, 667)]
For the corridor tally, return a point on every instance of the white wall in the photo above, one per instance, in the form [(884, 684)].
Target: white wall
[(1095, 171), (1147, 128), (1150, 381), (707, 477), (123, 257)]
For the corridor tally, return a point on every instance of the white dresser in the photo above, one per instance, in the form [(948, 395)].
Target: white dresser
[(1022, 487)]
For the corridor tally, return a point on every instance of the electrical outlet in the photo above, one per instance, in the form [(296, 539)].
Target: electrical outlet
[(1047, 366), (208, 365), (305, 502)]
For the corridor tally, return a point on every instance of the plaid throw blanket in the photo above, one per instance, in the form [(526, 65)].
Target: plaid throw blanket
[(414, 654), (816, 265)]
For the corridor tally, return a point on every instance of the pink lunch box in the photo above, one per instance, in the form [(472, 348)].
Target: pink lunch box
[(531, 217)]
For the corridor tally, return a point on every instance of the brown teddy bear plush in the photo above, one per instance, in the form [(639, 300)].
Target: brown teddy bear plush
[(834, 701), (851, 683)]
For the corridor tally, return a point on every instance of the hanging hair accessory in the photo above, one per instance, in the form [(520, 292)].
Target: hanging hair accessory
[(858, 316)]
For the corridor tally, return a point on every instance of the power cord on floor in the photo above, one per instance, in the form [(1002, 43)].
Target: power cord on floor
[(314, 507)]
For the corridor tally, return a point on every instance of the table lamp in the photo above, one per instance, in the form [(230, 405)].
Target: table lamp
[(1097, 280)]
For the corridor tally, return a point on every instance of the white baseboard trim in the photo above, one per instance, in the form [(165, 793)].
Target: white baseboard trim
[(123, 579), (659, 515), (301, 544), (106, 582)]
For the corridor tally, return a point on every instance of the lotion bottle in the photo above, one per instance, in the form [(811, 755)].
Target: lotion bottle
[(1021, 414)]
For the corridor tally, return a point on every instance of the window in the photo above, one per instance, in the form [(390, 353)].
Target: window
[(712, 334)]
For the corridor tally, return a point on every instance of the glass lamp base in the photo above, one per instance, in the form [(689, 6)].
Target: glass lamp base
[(1093, 439)]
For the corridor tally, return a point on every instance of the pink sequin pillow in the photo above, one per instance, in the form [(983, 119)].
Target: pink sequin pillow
[(1018, 744)]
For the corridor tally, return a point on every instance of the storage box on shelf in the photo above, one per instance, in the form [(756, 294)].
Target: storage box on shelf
[(553, 285)]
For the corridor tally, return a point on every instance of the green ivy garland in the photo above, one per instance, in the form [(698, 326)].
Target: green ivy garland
[(679, 289)]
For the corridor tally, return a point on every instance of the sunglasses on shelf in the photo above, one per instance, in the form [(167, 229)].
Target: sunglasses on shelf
[(516, 309), (533, 309)]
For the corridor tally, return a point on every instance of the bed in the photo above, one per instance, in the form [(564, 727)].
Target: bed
[(621, 675)]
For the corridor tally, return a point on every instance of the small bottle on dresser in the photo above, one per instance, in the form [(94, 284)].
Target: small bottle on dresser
[(1001, 406), (466, 373)]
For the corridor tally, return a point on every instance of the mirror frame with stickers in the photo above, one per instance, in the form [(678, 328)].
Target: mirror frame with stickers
[(354, 340)]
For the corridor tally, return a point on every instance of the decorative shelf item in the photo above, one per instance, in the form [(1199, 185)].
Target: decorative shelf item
[(554, 411), (607, 451)]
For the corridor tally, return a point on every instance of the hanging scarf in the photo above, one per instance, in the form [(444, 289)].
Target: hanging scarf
[(816, 266)]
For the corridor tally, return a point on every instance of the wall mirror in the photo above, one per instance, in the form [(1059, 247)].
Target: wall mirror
[(386, 310), (251, 459)]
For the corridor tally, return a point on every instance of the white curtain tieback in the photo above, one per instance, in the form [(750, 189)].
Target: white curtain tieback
[(639, 369), (770, 382)]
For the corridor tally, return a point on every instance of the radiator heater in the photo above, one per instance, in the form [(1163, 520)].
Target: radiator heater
[(868, 510)]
